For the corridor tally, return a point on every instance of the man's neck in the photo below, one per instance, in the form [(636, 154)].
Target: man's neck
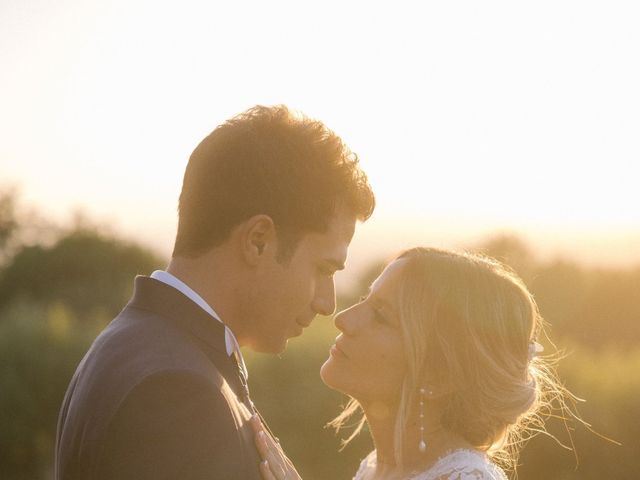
[(213, 281)]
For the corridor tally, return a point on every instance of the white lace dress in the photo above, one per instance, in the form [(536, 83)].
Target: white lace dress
[(459, 464)]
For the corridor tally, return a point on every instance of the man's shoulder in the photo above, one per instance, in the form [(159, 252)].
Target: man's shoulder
[(172, 421), (135, 346), (140, 363), (138, 344)]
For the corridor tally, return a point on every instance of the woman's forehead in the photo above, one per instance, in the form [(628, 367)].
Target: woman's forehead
[(386, 283)]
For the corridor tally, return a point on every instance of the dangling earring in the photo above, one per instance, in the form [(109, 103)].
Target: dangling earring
[(422, 446)]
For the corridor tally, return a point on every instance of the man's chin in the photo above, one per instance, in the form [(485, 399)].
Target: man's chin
[(275, 348)]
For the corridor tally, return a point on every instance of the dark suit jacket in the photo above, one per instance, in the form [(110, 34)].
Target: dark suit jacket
[(157, 396)]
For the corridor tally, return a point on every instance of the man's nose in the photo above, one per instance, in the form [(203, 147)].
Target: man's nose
[(324, 301)]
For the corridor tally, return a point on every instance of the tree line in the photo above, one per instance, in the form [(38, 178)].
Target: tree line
[(59, 286)]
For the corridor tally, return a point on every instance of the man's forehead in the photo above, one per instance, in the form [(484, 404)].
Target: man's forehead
[(331, 249), (342, 226), (332, 245)]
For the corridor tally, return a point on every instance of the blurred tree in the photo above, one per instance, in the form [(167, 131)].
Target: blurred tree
[(512, 251), (86, 269), (55, 296), (8, 221), (598, 308), (560, 289), (20, 227), (609, 380), (610, 313), (58, 287), (40, 348)]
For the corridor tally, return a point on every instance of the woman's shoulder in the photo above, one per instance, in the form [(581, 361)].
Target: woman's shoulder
[(462, 464)]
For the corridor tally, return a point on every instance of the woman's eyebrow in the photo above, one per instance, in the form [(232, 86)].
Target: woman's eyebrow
[(377, 299)]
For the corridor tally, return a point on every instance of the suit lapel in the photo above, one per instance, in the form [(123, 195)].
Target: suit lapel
[(171, 304)]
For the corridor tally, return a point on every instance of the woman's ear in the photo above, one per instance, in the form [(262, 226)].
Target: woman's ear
[(258, 238)]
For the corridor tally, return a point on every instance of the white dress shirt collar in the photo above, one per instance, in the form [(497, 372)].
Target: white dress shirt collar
[(230, 341)]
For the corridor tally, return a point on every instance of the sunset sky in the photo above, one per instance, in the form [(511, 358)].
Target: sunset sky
[(469, 117)]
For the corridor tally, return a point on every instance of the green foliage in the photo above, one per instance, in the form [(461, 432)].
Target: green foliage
[(40, 348), (55, 298), (87, 269), (595, 307), (512, 251), (297, 405), (8, 221), (609, 380)]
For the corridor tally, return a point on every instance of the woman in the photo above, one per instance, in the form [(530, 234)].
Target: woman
[(441, 356)]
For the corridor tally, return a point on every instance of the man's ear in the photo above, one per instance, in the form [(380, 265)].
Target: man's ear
[(258, 237)]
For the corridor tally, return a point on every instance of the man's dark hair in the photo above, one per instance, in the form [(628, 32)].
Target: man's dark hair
[(268, 161)]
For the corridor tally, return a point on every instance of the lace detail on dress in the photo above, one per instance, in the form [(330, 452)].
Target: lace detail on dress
[(457, 465), (368, 464)]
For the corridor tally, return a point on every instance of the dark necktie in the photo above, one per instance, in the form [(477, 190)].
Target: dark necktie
[(245, 393), (243, 381)]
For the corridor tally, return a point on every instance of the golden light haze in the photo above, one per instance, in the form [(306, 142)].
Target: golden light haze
[(469, 117)]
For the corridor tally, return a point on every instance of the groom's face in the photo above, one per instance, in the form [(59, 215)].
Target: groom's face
[(289, 296)]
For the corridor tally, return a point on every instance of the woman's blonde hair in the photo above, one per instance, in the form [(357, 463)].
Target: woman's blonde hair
[(469, 323)]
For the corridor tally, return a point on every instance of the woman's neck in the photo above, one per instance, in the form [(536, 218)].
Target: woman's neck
[(381, 421), (382, 418)]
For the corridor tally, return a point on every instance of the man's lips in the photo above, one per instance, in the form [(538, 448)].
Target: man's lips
[(305, 323)]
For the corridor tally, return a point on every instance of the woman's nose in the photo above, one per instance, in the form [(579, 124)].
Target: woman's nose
[(346, 321)]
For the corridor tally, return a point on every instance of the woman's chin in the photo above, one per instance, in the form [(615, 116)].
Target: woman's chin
[(329, 375), (325, 372)]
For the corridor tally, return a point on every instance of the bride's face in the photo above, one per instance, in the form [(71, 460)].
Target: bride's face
[(367, 360)]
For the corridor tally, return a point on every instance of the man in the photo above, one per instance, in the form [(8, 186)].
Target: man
[(266, 214)]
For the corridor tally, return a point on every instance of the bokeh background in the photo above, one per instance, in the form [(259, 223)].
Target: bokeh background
[(506, 127)]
